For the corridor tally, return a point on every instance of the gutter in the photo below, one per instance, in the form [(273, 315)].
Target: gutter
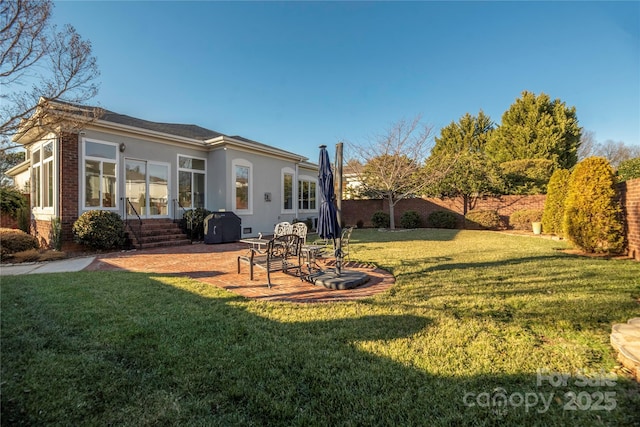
[(17, 169), (254, 146)]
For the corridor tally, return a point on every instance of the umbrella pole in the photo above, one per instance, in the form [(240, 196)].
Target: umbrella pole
[(338, 256), (338, 167)]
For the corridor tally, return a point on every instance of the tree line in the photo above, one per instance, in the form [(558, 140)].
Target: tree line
[(474, 156)]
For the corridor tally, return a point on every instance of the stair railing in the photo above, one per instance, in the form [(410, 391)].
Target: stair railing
[(188, 220), (128, 224)]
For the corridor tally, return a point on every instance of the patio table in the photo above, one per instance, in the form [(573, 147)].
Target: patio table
[(311, 253), (256, 243)]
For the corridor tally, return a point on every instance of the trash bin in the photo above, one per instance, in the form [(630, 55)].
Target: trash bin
[(222, 227)]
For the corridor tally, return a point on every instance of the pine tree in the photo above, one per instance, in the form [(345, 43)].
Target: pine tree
[(534, 127), (462, 146)]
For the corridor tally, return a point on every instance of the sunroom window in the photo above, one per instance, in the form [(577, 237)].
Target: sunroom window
[(43, 176), (100, 174)]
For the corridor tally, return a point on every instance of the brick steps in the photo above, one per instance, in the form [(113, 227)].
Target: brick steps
[(155, 233)]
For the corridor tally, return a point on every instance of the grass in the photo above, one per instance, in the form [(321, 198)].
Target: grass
[(459, 340)]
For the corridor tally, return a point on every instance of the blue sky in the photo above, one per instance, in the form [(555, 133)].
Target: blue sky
[(296, 75)]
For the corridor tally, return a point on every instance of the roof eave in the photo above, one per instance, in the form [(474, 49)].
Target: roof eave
[(223, 141), (19, 168)]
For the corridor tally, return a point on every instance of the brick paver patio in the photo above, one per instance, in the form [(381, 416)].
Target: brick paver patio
[(217, 265)]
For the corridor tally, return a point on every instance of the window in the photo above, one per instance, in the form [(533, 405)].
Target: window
[(307, 194), (191, 181), (43, 175), (287, 189), (100, 177), (242, 186)]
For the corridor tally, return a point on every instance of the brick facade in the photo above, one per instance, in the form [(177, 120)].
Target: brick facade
[(68, 191), (7, 221), (630, 198)]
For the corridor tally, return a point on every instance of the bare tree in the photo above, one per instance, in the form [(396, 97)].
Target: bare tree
[(614, 151), (39, 64), (390, 166), (617, 152), (588, 145)]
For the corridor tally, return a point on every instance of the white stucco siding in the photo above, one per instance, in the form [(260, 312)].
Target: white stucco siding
[(265, 191), (163, 154)]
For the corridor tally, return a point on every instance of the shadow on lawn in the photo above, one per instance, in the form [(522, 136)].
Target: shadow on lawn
[(421, 266), (159, 354)]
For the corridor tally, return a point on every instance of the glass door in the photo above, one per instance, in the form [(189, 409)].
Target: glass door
[(147, 188), (136, 187), (158, 189)]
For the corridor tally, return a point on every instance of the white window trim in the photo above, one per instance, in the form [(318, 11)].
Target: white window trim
[(180, 169), (247, 164), (294, 190), (307, 178), (83, 194), (40, 211)]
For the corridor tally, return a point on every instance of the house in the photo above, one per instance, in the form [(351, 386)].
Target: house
[(80, 158)]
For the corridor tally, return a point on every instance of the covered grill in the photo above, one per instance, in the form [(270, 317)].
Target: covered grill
[(222, 227)]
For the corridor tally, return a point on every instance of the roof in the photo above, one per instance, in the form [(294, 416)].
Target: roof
[(189, 132), (178, 129)]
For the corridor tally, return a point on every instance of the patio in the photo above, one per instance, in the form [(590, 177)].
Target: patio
[(216, 265)]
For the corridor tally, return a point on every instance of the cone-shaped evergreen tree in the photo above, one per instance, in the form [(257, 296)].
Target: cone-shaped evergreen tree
[(592, 214), (553, 216)]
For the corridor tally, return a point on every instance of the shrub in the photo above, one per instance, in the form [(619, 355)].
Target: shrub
[(23, 216), (629, 169), (592, 215), (99, 229), (11, 200), (553, 214), (35, 255), (13, 240), (31, 255), (410, 219), (360, 223), (522, 219), (194, 222), (442, 219), (380, 219), (56, 233), (488, 219)]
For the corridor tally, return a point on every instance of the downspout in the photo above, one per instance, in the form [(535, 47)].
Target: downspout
[(338, 166), (295, 190), (58, 186)]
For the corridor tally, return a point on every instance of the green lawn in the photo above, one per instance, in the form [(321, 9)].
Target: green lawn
[(459, 340)]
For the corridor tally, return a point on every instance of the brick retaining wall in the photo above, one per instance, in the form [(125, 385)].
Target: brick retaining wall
[(630, 198), (362, 210)]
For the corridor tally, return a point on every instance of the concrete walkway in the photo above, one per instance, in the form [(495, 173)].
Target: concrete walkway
[(61, 266)]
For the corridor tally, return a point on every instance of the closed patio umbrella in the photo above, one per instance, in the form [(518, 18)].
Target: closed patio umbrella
[(328, 226)]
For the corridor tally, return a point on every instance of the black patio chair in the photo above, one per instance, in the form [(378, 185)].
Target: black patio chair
[(283, 253)]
